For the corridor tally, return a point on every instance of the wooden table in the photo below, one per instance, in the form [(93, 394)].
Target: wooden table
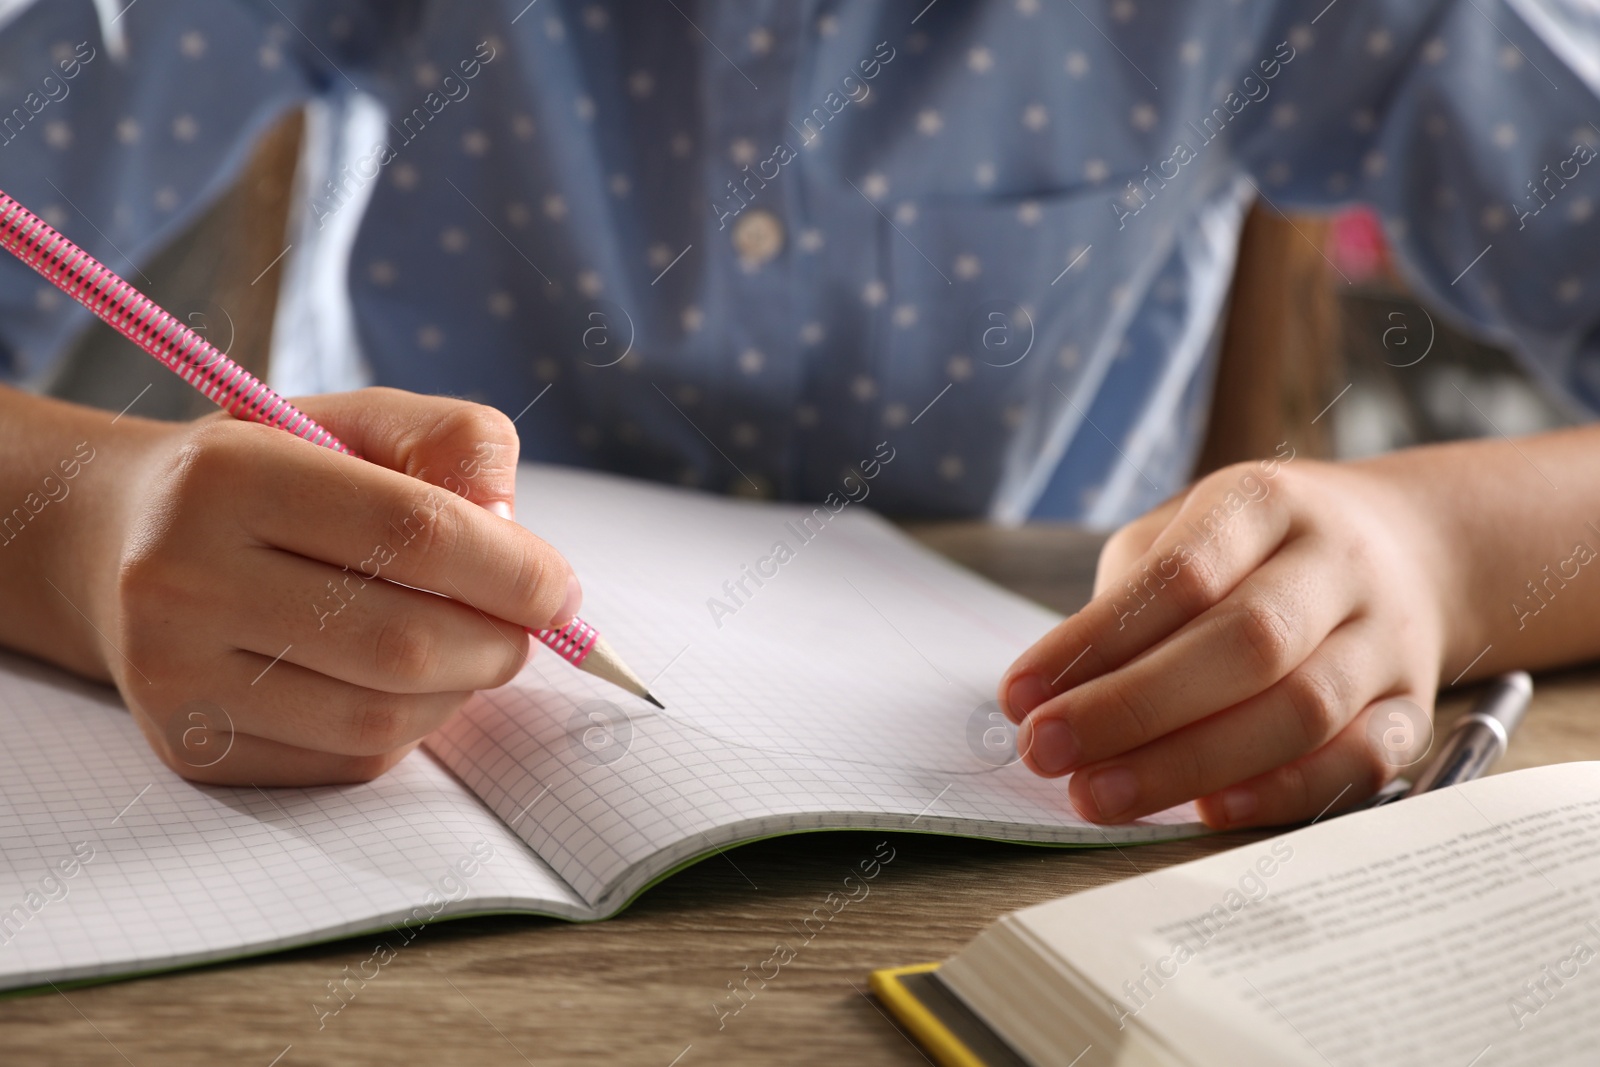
[(639, 989)]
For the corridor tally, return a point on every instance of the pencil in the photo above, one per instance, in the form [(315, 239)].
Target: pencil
[(234, 389)]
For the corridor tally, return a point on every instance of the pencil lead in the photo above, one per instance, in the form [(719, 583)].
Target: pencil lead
[(656, 702)]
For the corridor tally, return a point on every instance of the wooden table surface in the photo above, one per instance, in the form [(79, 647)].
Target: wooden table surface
[(640, 988)]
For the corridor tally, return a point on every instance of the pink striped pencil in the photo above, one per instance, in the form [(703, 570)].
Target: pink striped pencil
[(230, 386)]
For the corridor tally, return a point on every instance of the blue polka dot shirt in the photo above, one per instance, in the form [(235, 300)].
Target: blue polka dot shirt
[(750, 246)]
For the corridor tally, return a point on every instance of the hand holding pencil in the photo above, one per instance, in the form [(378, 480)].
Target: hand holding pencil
[(317, 613)]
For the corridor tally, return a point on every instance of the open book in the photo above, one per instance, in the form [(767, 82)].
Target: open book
[(1458, 927), (841, 681)]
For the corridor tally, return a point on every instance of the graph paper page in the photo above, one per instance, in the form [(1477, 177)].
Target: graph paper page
[(164, 872), (852, 688)]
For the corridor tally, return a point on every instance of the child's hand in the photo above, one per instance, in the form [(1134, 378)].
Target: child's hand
[(1239, 638), (260, 624)]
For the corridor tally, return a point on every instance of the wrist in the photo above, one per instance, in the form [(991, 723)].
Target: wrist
[(114, 485), (1421, 502), (71, 485)]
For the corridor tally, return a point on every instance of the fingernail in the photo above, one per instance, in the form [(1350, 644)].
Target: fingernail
[(1048, 745), (1239, 805), (1114, 790), (500, 508), (569, 606), (1026, 692)]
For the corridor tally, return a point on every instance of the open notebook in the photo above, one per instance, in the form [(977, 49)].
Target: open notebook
[(848, 689)]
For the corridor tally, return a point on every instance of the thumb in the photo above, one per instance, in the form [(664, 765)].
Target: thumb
[(468, 449)]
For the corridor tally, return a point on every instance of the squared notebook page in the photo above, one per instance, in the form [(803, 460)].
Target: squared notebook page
[(853, 688), (166, 873)]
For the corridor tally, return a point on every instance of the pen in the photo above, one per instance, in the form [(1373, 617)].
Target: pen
[(237, 391), (1481, 737)]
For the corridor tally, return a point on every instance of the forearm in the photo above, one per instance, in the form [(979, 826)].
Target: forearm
[(1512, 534), (59, 523)]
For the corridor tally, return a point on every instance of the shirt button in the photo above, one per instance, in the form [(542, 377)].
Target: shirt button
[(757, 237)]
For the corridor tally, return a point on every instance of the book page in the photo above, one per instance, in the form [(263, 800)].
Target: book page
[(111, 863), (1458, 927), (818, 672)]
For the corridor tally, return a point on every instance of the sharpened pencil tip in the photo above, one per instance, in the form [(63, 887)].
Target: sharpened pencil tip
[(656, 702)]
